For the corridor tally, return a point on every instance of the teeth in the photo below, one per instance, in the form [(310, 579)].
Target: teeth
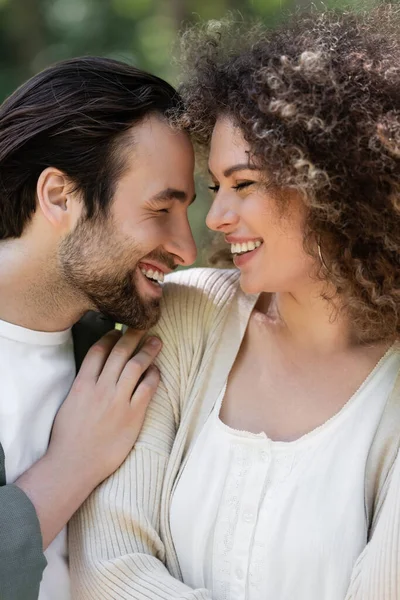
[(245, 247), (155, 275)]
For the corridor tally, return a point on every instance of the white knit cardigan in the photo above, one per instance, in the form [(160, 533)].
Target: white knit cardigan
[(120, 541)]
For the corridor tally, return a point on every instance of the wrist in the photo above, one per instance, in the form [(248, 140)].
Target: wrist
[(72, 470), (56, 486)]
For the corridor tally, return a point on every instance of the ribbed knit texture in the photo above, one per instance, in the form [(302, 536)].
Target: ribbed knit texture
[(120, 541), (376, 575)]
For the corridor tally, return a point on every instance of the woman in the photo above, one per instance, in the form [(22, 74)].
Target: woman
[(248, 480)]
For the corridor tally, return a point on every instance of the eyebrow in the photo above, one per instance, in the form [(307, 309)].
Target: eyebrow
[(173, 194), (235, 168)]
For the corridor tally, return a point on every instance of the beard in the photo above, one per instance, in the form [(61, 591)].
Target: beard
[(99, 264)]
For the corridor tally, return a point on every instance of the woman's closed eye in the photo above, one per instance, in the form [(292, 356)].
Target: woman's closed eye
[(242, 185), (237, 187)]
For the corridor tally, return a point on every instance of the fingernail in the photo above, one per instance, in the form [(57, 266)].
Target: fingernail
[(155, 342)]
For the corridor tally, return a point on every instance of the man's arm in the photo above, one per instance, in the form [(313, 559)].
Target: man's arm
[(21, 549)]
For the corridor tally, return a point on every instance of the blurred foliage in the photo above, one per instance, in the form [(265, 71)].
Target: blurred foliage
[(36, 33)]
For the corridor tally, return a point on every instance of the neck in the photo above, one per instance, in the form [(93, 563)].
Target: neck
[(32, 293), (308, 318)]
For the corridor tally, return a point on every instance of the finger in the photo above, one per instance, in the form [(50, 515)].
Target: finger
[(144, 393), (123, 352), (98, 354), (136, 367)]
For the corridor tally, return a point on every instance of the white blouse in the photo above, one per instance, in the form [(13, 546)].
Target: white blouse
[(254, 519)]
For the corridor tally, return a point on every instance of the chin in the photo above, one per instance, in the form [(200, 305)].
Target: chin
[(141, 320), (251, 285)]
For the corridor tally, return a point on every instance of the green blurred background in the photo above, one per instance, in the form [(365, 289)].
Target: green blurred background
[(36, 33)]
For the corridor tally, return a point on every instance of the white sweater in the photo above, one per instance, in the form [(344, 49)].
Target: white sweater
[(120, 541)]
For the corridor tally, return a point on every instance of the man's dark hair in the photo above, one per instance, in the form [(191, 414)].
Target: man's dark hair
[(72, 116)]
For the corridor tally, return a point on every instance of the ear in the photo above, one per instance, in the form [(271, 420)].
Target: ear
[(58, 203)]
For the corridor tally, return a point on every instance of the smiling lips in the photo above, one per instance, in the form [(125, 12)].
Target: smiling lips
[(238, 249), (157, 276), (154, 272), (153, 275)]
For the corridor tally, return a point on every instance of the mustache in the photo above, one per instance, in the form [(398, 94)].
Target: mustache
[(164, 258)]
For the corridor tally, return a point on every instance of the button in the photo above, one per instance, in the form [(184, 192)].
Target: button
[(264, 456), (248, 517), (239, 573)]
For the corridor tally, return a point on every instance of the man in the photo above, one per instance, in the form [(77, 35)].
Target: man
[(95, 187)]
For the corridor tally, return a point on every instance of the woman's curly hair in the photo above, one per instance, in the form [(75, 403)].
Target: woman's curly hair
[(318, 101)]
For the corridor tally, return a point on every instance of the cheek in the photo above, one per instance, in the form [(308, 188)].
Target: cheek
[(260, 216), (146, 234), (281, 229), (282, 262), (284, 249)]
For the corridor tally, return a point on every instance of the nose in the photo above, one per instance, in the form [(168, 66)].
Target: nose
[(183, 246), (222, 215)]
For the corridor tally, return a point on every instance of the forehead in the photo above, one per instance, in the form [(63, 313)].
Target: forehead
[(154, 136), (228, 146), (158, 157)]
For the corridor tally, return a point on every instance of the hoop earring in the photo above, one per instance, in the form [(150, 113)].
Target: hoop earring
[(321, 258)]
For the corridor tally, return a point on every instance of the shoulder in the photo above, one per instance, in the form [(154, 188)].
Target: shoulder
[(204, 290), (203, 278), (195, 302)]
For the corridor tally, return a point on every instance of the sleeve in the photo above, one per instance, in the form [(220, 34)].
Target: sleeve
[(116, 550), (376, 574), (22, 560)]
